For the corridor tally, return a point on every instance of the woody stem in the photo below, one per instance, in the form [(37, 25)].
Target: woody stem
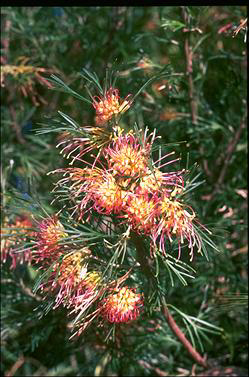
[(144, 261)]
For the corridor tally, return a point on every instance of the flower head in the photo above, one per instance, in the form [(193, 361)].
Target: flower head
[(126, 157), (68, 275), (50, 233), (91, 280), (108, 105), (86, 291), (176, 221), (96, 189), (72, 269), (141, 212), (122, 305), (151, 182), (108, 196)]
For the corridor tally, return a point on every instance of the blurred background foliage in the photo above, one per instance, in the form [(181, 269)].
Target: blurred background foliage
[(199, 109)]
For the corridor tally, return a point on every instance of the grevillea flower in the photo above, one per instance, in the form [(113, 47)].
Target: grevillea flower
[(50, 233), (18, 232), (132, 186), (175, 220), (101, 192), (108, 105), (126, 157), (141, 212), (87, 291), (108, 196), (109, 189), (128, 160), (30, 75), (122, 305), (151, 182), (96, 189), (68, 275), (73, 286), (155, 182)]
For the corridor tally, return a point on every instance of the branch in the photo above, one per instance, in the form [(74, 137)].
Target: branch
[(144, 261), (189, 68), (142, 256), (16, 126), (28, 291), (178, 332), (228, 154)]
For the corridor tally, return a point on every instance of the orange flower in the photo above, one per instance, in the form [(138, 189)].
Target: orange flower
[(109, 105), (151, 182), (74, 287), (108, 196), (86, 292), (72, 267), (122, 305)]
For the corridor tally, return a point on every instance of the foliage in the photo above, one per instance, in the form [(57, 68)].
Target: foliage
[(185, 68)]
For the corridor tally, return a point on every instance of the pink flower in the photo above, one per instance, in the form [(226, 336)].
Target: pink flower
[(176, 220), (122, 305), (50, 233)]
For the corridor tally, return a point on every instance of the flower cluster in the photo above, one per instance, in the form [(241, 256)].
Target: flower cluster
[(51, 231), (129, 184), (29, 75), (72, 283), (125, 184)]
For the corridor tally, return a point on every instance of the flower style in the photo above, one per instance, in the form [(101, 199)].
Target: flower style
[(176, 220), (17, 230), (95, 189), (108, 105), (126, 157), (141, 212), (68, 275), (122, 305), (87, 291), (50, 233), (95, 138)]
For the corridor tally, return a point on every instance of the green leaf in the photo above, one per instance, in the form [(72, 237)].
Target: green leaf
[(62, 87)]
